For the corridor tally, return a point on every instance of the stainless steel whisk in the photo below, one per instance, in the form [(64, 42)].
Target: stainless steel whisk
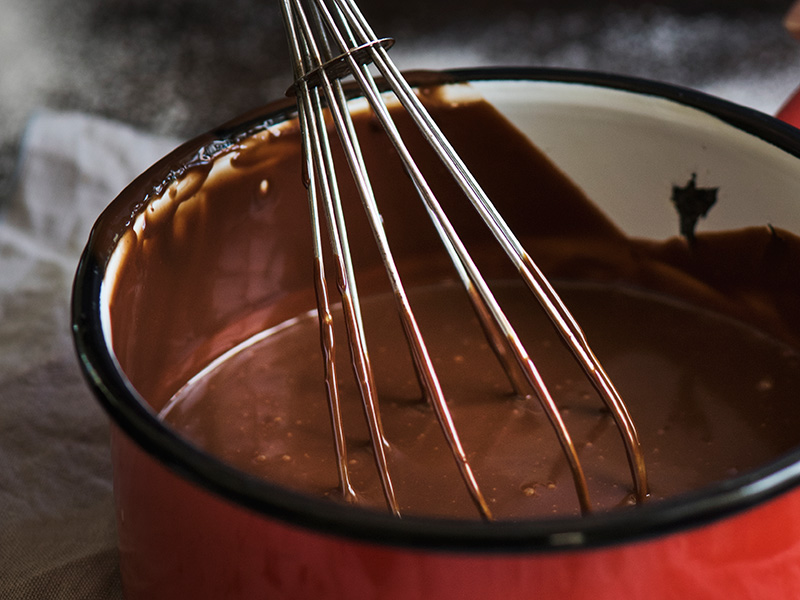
[(330, 40)]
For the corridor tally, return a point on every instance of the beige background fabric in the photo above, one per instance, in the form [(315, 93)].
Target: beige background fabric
[(57, 535)]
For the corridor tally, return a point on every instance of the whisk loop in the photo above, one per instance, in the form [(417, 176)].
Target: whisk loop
[(330, 40)]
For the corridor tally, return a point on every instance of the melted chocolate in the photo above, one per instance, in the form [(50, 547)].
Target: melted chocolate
[(226, 254), (701, 421)]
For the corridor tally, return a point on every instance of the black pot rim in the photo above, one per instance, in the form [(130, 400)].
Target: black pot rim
[(131, 414)]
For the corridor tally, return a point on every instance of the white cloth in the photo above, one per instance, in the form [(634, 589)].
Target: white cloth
[(57, 534)]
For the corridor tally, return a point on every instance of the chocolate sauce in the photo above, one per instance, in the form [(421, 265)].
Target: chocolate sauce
[(701, 421), (698, 338)]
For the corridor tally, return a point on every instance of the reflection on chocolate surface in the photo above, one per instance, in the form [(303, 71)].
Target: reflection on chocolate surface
[(700, 419)]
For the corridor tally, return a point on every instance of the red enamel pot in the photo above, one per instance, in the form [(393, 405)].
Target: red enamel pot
[(191, 526)]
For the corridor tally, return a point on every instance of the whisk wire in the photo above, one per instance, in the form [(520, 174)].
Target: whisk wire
[(322, 176), (423, 363), (328, 345), (479, 292), (562, 319), (319, 67)]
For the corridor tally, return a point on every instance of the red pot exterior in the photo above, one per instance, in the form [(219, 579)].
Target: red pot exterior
[(179, 541), (790, 111)]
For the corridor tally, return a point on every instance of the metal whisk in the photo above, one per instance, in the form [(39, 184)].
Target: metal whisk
[(330, 40)]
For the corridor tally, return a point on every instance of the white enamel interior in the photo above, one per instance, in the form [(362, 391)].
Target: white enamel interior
[(626, 151)]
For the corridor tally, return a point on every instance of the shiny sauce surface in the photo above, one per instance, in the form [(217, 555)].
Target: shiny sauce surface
[(703, 413)]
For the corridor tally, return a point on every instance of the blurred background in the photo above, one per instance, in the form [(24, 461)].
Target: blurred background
[(182, 66)]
